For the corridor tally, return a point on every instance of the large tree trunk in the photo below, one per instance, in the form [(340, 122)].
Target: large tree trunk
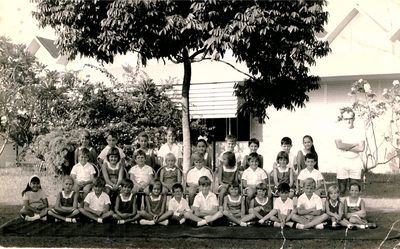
[(185, 111)]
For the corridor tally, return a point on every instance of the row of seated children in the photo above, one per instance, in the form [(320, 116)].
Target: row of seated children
[(309, 211)]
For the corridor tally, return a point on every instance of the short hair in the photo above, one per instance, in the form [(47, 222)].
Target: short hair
[(286, 140), (309, 181), (282, 154), (68, 177), (230, 158), (99, 182), (177, 186), (356, 184), (204, 180), (170, 155), (312, 156), (172, 130), (235, 184), (253, 155), (85, 133), (283, 187), (230, 137), (143, 134), (113, 152), (197, 156), (84, 151), (333, 189), (139, 152), (201, 140), (254, 141), (127, 183), (112, 134), (262, 186), (155, 183)]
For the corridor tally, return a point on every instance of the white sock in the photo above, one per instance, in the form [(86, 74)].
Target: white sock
[(201, 223), (181, 221), (243, 224), (299, 226), (164, 222), (99, 220), (68, 220)]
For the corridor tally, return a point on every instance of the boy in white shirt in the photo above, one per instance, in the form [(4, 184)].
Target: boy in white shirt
[(205, 206), (177, 206), (230, 144), (253, 176), (83, 173), (311, 172), (112, 141), (194, 174), (283, 207), (309, 212), (142, 175)]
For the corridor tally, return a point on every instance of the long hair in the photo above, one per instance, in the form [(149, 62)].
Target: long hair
[(312, 149), (32, 179)]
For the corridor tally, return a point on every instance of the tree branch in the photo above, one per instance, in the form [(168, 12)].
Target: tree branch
[(232, 66), (193, 56)]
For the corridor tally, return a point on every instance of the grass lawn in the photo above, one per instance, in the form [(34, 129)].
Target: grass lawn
[(14, 181)]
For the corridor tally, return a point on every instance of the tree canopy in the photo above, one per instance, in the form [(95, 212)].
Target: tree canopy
[(275, 39)]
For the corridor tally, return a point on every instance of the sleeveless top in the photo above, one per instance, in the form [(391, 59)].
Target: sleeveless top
[(67, 200), (170, 176), (266, 205), (112, 171), (228, 175), (126, 203), (334, 208), (234, 206), (156, 204), (353, 207), (283, 175)]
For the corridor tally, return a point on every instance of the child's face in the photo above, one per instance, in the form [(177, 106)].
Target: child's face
[(156, 190), (98, 190), (112, 141), (198, 162), (253, 147), (334, 195), (126, 189), (261, 192), (230, 145), (309, 189), (35, 186), (234, 191), (178, 193), (307, 143), (253, 163), (170, 162), (113, 159), (201, 147), (310, 163), (170, 137), (354, 191), (205, 188), (84, 141), (83, 159), (284, 195), (140, 159), (286, 147), (143, 142), (282, 161), (67, 185)]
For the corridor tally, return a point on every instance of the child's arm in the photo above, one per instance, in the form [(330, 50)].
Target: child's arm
[(45, 204), (162, 178), (291, 177), (289, 215), (134, 205), (341, 209), (179, 176), (148, 207), (345, 211), (87, 208), (226, 204), (243, 207), (116, 206), (275, 175), (57, 205), (327, 211), (163, 206), (244, 183), (362, 213), (120, 175)]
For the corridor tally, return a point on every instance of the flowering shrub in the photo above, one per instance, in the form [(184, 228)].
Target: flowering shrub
[(381, 116)]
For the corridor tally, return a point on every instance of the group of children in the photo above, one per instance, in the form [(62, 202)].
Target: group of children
[(148, 196)]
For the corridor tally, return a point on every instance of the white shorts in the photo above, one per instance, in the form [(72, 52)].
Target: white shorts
[(349, 168)]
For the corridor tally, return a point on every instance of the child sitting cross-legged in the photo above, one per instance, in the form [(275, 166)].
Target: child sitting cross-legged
[(125, 204), (205, 206), (283, 206), (35, 201), (97, 203), (261, 206), (66, 207), (335, 209), (309, 211), (234, 205), (354, 208), (177, 206), (155, 206)]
